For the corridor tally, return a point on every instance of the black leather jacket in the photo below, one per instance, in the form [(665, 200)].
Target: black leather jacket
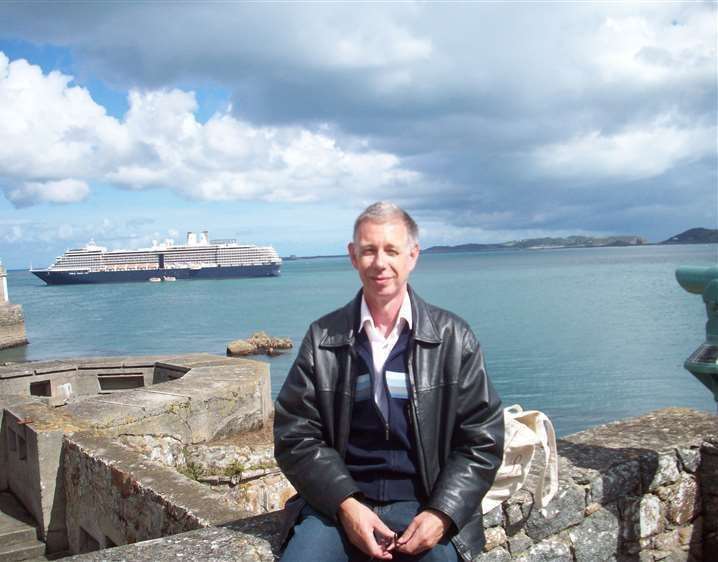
[(457, 416)]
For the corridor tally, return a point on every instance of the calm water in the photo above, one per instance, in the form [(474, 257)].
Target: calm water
[(586, 335)]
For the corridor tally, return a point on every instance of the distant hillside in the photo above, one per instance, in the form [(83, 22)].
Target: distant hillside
[(694, 236), (543, 243)]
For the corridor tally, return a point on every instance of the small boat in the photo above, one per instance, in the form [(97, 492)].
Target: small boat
[(169, 278), (155, 280)]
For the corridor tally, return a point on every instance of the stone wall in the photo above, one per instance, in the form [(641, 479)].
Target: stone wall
[(643, 489), (31, 472), (12, 326), (114, 497), (708, 478), (631, 490)]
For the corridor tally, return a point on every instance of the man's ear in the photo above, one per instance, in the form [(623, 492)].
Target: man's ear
[(352, 257), (414, 254)]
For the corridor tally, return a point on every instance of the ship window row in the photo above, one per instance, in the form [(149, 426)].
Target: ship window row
[(142, 258)]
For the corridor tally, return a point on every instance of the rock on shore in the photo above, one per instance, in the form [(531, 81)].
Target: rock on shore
[(259, 343)]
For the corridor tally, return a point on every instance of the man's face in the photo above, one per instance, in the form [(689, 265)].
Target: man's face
[(384, 258)]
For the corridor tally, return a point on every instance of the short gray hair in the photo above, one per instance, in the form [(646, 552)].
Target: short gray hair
[(384, 211)]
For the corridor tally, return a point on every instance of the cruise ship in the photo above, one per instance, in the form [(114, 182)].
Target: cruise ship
[(198, 258)]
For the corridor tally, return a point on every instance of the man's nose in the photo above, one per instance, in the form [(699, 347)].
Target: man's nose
[(380, 259)]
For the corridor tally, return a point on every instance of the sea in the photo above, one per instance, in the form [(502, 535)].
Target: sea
[(586, 335)]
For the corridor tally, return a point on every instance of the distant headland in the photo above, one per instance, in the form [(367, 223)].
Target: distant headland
[(695, 236), (690, 236), (543, 244)]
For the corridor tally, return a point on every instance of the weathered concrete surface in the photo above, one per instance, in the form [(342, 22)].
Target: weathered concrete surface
[(32, 471), (18, 535), (12, 326), (189, 399), (117, 497)]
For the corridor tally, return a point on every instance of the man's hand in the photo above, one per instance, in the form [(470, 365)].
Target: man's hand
[(363, 526), (424, 531)]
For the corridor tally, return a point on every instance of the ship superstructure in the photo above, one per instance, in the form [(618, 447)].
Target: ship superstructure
[(199, 258)]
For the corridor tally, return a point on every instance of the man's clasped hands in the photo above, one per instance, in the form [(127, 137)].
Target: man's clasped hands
[(369, 534)]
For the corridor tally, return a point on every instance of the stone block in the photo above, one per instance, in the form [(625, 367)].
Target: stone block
[(494, 517), (565, 510), (642, 517), (682, 500), (667, 540), (690, 458), (547, 551), (596, 538), (12, 326), (517, 511), (495, 536), (691, 534), (221, 458), (495, 555), (166, 450), (260, 495), (678, 555), (708, 471), (617, 481), (520, 542), (659, 472)]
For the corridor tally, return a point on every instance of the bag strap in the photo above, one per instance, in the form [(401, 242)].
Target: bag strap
[(547, 436)]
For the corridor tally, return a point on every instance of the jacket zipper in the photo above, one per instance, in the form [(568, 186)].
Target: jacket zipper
[(352, 392), (415, 417), (388, 398)]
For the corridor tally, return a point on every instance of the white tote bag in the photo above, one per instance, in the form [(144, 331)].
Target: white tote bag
[(525, 431)]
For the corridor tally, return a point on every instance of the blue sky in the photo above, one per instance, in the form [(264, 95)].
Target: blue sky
[(277, 123)]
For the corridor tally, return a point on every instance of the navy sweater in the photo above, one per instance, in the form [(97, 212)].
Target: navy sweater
[(381, 455)]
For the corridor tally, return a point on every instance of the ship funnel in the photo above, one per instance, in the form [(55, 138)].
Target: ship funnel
[(204, 238), (191, 238)]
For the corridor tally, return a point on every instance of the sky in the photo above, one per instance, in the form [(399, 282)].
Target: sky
[(277, 123)]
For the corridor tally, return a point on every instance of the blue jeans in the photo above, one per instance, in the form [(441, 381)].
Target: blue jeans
[(318, 539)]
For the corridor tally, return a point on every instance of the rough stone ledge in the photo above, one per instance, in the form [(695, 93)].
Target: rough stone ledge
[(248, 540), (183, 362)]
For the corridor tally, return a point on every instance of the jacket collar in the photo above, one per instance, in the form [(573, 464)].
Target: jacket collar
[(343, 331)]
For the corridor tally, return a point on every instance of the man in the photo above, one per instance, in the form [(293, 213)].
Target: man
[(387, 424)]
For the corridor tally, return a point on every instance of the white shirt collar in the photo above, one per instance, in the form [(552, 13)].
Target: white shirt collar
[(404, 314)]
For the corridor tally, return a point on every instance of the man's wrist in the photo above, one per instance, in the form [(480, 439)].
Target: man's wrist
[(347, 504), (445, 519)]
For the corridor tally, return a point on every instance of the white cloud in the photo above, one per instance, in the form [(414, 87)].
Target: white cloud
[(654, 48), (58, 140), (60, 191), (630, 154), (52, 130)]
